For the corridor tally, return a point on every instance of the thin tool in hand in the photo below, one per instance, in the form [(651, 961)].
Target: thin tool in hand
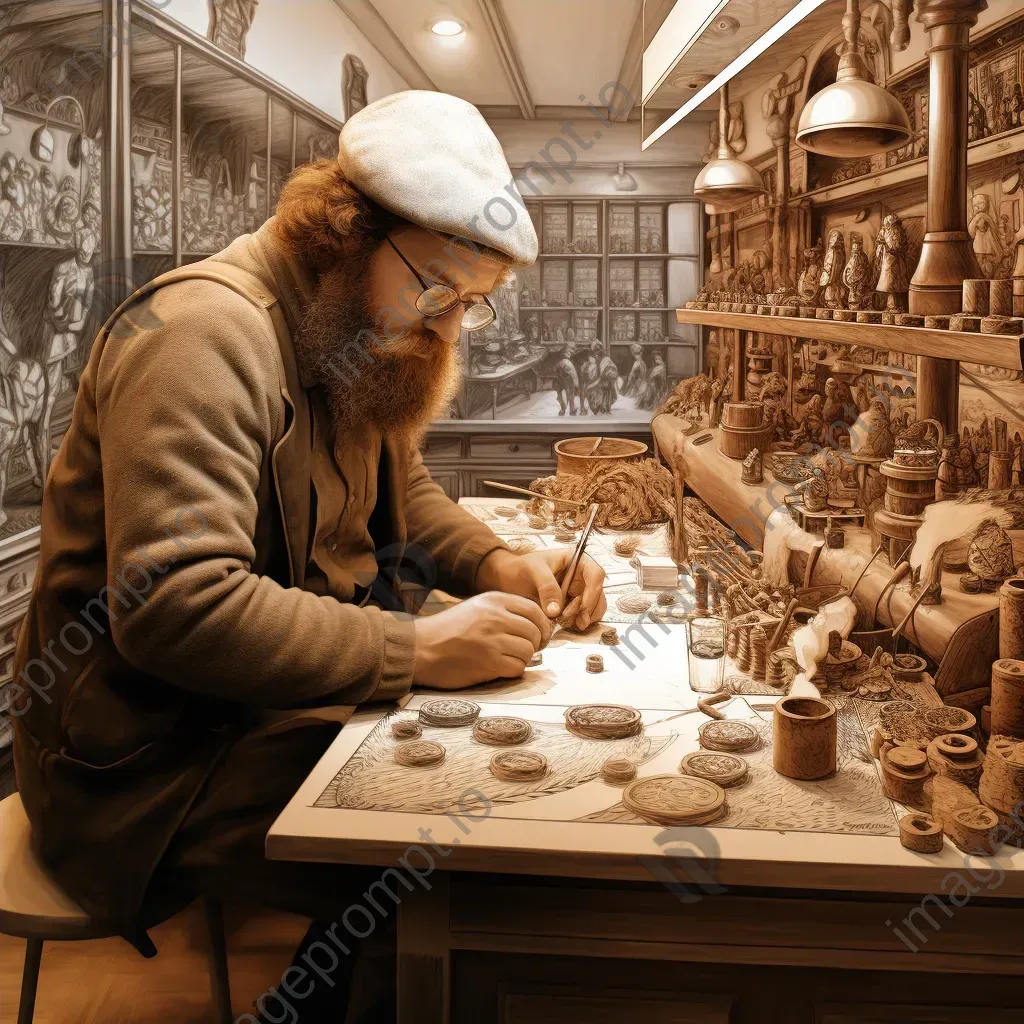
[(578, 553), (531, 494)]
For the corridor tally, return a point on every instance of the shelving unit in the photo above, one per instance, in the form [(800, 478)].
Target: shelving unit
[(644, 232)]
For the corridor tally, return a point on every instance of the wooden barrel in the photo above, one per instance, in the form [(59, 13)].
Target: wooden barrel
[(577, 457), (909, 489), (743, 415)]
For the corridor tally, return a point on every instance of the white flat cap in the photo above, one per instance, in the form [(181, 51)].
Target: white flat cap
[(433, 159)]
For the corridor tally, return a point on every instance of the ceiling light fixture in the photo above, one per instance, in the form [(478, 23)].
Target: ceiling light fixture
[(852, 117), (725, 183), (447, 27), (744, 60)]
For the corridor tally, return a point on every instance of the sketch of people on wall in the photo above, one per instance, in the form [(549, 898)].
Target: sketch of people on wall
[(354, 77), (988, 246), (69, 301)]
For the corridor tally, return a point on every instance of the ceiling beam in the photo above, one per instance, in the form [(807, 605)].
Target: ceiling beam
[(497, 27), (649, 19), (368, 20)]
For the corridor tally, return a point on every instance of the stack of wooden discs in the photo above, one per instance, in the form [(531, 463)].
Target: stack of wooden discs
[(904, 772), (595, 663), (518, 765), (728, 735), (718, 767), (758, 653), (603, 721), (449, 712), (617, 771), (502, 732), (675, 800)]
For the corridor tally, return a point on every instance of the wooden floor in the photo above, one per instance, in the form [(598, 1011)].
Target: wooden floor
[(107, 982)]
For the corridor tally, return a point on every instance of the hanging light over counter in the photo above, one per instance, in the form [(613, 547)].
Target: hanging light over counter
[(726, 183), (852, 117)]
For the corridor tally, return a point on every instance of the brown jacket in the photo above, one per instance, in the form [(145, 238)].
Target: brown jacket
[(180, 502)]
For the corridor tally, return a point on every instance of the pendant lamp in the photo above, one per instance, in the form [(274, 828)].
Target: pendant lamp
[(852, 117), (726, 183)]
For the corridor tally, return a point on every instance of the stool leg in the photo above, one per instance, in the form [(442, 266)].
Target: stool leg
[(29, 981), (219, 979)]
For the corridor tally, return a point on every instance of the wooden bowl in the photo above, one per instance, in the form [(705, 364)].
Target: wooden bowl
[(575, 458)]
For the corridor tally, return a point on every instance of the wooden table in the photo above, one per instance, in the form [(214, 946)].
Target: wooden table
[(502, 918)]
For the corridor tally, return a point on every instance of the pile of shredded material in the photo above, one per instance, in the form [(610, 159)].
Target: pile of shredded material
[(631, 494)]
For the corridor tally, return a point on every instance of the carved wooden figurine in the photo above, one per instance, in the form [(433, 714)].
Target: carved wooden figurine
[(809, 285), (891, 262), (831, 279), (857, 273)]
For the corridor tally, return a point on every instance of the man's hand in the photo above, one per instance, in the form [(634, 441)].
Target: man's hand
[(491, 636), (538, 575)]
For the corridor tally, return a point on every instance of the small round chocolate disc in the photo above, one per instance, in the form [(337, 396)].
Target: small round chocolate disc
[(674, 800), (501, 732), (603, 721), (727, 735), (406, 730), (449, 712), (617, 771), (419, 753), (518, 765), (719, 767)]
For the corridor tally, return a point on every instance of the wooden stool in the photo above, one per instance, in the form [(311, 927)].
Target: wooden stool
[(33, 907)]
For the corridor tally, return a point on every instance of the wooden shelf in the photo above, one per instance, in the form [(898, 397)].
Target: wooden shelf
[(47, 246), (570, 256), (561, 309), (641, 309), (988, 349), (912, 172)]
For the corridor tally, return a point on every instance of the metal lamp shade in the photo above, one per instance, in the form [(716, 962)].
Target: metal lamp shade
[(853, 118), (724, 185)]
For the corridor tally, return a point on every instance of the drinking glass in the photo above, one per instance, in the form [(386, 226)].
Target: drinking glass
[(705, 653)]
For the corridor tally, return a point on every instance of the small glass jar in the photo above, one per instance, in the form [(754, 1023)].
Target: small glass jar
[(705, 653)]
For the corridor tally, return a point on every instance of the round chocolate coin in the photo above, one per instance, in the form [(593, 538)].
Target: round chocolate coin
[(727, 735), (617, 771), (603, 721), (675, 800), (449, 712), (419, 753), (406, 730), (718, 767), (519, 766), (501, 732)]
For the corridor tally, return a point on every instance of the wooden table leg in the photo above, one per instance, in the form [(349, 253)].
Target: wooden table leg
[(424, 955)]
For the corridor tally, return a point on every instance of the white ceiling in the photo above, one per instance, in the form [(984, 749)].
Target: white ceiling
[(565, 47)]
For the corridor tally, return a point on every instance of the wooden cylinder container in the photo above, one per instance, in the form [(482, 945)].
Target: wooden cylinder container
[(1008, 698), (743, 415), (1000, 302), (1011, 618), (804, 738), (976, 296), (998, 470), (577, 456)]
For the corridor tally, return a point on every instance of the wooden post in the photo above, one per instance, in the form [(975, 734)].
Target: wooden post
[(116, 245), (947, 258), (177, 128), (739, 367)]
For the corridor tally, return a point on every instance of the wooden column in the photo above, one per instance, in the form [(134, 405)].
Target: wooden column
[(739, 367), (117, 169), (177, 128), (947, 257), (778, 132)]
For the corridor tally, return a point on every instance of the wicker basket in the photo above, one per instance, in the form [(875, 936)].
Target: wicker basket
[(575, 458)]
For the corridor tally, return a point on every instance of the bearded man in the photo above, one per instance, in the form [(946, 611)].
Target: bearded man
[(230, 517)]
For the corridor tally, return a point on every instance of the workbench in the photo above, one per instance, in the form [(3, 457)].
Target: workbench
[(525, 912), (962, 632)]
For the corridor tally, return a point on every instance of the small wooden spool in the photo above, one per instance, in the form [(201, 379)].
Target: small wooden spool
[(937, 323), (976, 296), (1002, 325), (1008, 697), (971, 829), (920, 833), (1000, 302), (804, 738), (909, 320), (955, 756), (869, 316)]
